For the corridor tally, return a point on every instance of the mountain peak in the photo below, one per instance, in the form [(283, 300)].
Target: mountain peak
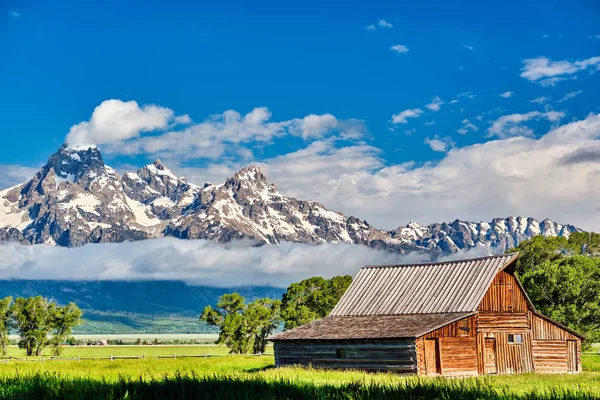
[(75, 163), (158, 168), (250, 173), (159, 165)]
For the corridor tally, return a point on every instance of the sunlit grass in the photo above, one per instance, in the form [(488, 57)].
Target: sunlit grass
[(225, 376)]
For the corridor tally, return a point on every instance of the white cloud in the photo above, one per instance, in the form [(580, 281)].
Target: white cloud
[(119, 126), (469, 47), (512, 125), (315, 126), (197, 262), (382, 23), (183, 119), (429, 123), (507, 94), (14, 14), (468, 95), (439, 144), (399, 48), (541, 100), (115, 120), (14, 174), (467, 125), (435, 104), (569, 96), (453, 101), (548, 72), (401, 117)]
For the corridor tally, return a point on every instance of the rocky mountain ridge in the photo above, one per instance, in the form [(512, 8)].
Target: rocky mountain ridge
[(77, 199)]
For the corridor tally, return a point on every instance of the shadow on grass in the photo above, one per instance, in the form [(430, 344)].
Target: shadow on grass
[(260, 369)]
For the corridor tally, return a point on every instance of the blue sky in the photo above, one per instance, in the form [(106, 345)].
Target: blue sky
[(365, 64)]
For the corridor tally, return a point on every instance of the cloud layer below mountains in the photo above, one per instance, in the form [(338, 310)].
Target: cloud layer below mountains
[(196, 262)]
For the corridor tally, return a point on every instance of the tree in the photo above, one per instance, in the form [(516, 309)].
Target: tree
[(243, 326), (538, 249), (311, 299), (63, 320), (262, 318), (36, 318), (568, 290), (33, 318), (4, 323), (562, 278)]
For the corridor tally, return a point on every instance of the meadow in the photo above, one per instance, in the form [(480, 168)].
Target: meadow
[(249, 377)]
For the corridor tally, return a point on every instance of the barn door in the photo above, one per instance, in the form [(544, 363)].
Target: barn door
[(432, 357), (572, 355), (489, 355)]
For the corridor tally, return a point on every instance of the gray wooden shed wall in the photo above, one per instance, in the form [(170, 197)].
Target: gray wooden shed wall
[(398, 355)]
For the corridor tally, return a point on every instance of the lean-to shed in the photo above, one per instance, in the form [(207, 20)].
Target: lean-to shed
[(468, 317)]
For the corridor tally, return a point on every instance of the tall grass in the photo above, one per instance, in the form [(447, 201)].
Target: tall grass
[(188, 386)]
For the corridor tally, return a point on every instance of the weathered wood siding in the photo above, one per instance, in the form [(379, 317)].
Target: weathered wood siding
[(550, 347), (502, 322), (458, 349), (550, 356), (458, 356), (398, 356), (504, 294), (511, 358), (546, 330)]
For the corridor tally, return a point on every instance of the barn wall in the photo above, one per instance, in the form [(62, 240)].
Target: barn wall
[(398, 356), (502, 321), (550, 356), (550, 346), (545, 330), (511, 358), (458, 349), (504, 295)]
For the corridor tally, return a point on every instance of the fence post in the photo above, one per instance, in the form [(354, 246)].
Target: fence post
[(174, 355), (78, 359), (111, 358), (42, 360), (143, 356)]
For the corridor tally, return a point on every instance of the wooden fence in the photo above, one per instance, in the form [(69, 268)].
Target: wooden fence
[(7, 360)]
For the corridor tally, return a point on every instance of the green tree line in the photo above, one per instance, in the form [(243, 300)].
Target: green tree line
[(39, 323), (245, 327)]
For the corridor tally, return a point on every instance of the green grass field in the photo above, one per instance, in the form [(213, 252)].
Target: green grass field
[(227, 376)]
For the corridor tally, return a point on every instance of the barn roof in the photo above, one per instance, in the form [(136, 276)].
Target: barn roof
[(444, 287), (370, 327)]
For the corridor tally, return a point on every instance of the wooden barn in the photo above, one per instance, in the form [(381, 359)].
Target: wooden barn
[(459, 318)]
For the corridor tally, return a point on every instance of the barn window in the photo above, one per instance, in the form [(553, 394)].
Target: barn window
[(515, 338), (340, 353)]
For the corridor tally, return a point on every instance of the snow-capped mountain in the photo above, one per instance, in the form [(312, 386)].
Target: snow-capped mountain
[(76, 199)]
